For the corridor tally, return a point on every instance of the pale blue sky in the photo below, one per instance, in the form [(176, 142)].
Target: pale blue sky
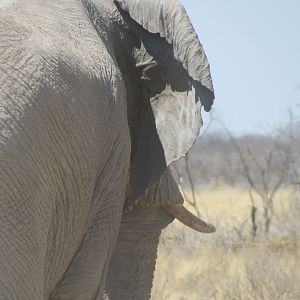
[(254, 51)]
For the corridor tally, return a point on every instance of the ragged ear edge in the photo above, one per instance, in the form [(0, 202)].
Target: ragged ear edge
[(169, 19)]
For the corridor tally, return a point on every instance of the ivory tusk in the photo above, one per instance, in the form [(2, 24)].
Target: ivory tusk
[(187, 218)]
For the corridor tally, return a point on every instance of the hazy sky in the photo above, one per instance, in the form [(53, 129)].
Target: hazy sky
[(254, 51)]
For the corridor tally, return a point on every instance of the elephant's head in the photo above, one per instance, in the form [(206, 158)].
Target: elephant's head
[(167, 79), (166, 88)]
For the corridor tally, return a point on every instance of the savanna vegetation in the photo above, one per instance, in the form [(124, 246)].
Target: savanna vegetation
[(249, 187)]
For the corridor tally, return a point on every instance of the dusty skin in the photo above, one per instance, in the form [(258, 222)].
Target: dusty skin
[(97, 99)]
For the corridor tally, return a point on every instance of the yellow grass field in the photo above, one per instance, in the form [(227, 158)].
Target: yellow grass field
[(230, 207), (230, 264)]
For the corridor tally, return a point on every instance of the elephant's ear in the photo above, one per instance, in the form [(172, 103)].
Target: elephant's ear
[(175, 82), (169, 19)]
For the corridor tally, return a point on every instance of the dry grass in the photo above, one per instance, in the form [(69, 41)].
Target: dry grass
[(229, 264), (230, 207)]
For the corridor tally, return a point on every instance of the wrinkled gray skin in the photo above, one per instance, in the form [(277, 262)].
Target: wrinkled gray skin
[(96, 100)]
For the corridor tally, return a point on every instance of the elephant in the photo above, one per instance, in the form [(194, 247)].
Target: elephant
[(98, 98)]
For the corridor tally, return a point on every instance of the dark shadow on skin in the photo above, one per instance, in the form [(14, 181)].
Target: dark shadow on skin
[(142, 84), (168, 70)]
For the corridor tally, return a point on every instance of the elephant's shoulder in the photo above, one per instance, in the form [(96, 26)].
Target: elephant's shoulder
[(36, 58), (56, 40)]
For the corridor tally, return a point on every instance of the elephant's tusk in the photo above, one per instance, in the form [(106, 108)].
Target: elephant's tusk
[(187, 218)]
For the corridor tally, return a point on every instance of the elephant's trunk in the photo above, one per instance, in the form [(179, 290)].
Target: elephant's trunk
[(187, 218), (132, 265)]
